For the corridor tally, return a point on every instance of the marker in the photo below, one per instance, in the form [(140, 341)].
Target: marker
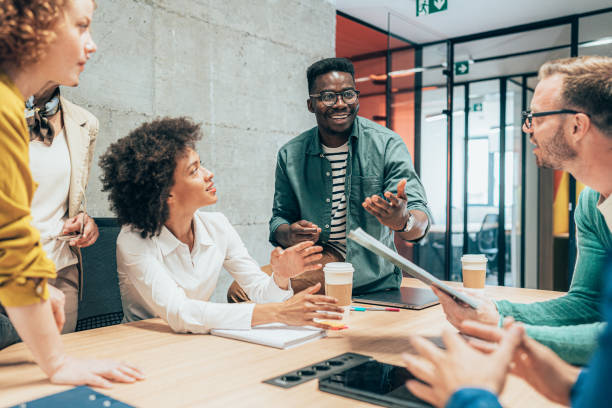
[(385, 309), (374, 308)]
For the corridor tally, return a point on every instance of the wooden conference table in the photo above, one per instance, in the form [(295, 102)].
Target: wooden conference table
[(186, 370)]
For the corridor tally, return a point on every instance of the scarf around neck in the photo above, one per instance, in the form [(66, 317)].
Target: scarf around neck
[(37, 114)]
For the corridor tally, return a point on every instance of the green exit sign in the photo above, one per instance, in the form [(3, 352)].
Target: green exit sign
[(425, 7), (477, 107), (462, 67)]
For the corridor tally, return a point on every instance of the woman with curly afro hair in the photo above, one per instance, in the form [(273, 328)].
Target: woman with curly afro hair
[(41, 42), (170, 254)]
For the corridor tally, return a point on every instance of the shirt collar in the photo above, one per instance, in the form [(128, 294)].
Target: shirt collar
[(314, 145), (168, 242), (605, 207), (202, 236)]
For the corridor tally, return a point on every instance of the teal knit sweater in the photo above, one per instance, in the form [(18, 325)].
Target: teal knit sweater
[(571, 324)]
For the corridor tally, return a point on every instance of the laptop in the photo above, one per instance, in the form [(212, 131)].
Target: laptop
[(405, 298)]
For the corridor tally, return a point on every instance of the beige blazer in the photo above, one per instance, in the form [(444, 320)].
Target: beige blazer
[(81, 130)]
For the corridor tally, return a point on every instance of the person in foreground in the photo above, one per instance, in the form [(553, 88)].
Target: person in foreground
[(570, 123), (62, 141), (344, 173), (170, 255), (40, 42), (465, 376)]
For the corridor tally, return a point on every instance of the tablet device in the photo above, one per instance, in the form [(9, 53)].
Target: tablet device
[(374, 382), (405, 298), (75, 397), (369, 242)]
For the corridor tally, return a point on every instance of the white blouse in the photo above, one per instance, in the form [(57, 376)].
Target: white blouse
[(50, 167), (160, 277)]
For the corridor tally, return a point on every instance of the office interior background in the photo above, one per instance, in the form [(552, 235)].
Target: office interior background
[(452, 84)]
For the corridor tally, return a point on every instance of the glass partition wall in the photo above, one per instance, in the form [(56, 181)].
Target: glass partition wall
[(433, 157), (496, 200), (457, 104)]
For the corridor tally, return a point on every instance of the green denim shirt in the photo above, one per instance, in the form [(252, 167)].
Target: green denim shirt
[(377, 160)]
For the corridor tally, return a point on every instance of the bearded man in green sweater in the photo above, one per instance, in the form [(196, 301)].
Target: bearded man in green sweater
[(570, 123)]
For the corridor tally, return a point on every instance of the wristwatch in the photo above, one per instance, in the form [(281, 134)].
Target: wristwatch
[(409, 223)]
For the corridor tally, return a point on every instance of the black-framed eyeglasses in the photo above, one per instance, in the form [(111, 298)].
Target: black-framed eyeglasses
[(528, 115), (329, 98)]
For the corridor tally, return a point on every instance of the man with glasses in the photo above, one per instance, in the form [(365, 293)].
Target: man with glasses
[(570, 123), (346, 172)]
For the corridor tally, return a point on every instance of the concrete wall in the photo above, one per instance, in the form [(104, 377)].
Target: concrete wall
[(236, 66)]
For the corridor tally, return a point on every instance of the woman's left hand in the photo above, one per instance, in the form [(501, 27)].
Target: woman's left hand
[(300, 258), (90, 230)]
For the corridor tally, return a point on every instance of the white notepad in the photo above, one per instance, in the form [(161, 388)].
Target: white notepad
[(274, 335)]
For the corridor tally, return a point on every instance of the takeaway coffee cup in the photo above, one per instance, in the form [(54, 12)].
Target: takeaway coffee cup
[(339, 283), (474, 269)]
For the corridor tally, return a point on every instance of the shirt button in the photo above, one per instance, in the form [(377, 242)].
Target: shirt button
[(327, 200), (326, 225), (327, 174)]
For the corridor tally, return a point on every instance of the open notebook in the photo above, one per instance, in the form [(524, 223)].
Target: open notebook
[(274, 335)]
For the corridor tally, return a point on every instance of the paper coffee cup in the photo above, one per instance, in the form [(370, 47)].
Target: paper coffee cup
[(339, 284), (474, 270)]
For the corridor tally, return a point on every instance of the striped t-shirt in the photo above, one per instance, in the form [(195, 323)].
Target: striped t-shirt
[(337, 158)]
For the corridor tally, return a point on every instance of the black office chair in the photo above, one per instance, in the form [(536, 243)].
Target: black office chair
[(486, 239), (101, 303)]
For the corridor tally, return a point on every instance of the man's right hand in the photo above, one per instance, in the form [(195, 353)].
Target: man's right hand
[(538, 365), (289, 235), (443, 372), (457, 312)]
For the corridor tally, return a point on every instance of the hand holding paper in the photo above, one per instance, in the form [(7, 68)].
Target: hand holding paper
[(372, 244)]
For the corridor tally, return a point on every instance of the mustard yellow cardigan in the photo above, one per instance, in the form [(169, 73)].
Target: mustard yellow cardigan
[(24, 267)]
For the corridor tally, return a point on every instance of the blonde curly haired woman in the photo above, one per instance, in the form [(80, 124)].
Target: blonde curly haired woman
[(41, 41)]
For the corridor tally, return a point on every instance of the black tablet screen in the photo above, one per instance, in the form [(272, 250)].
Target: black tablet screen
[(378, 378)]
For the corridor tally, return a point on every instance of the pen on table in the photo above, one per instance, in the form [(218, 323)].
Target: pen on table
[(374, 308)]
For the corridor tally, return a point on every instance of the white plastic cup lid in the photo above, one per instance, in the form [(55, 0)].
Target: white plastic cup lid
[(339, 267), (473, 258), (338, 273)]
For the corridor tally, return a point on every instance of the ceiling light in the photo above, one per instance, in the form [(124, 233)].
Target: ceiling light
[(595, 43), (396, 74), (433, 118), (441, 116), (406, 72)]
